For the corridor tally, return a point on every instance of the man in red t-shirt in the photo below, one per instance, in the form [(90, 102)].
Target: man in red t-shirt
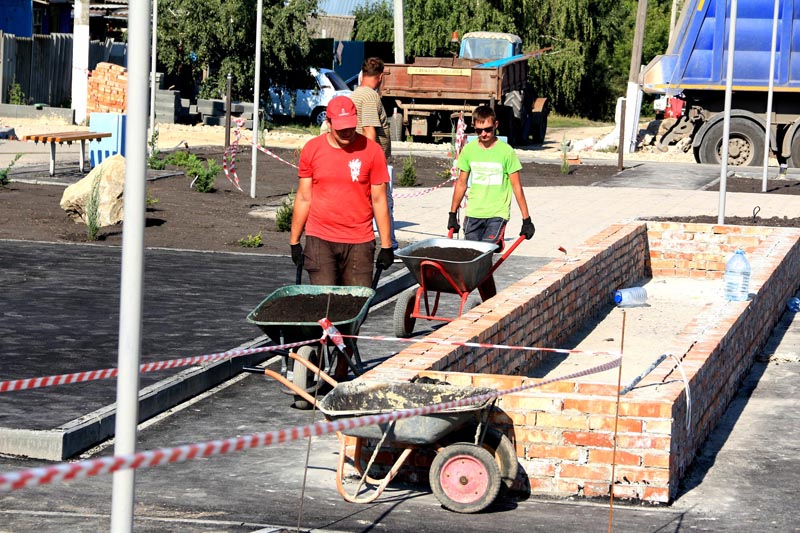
[(342, 186)]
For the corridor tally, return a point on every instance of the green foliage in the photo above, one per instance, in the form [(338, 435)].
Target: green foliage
[(181, 158), (374, 22), (204, 176), (251, 241), (283, 216), (150, 201), (4, 179), (408, 176), (220, 34), (15, 95), (93, 210), (564, 150)]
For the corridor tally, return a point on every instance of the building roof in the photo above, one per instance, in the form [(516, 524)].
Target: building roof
[(336, 27)]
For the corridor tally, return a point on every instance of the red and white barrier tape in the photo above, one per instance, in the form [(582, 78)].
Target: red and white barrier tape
[(92, 375), (82, 469), (230, 154)]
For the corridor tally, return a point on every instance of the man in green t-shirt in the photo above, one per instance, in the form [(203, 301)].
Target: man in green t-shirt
[(492, 168)]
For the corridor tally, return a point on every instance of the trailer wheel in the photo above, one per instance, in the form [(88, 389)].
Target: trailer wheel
[(795, 149), (464, 478), (301, 375), (402, 320), (396, 127), (516, 117), (541, 109), (745, 146)]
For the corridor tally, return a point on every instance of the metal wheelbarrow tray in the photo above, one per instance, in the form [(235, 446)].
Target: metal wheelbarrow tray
[(361, 398), (465, 275)]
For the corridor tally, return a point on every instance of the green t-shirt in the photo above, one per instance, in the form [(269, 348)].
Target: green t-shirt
[(490, 189)]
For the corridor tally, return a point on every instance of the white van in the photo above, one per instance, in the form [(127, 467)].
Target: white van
[(311, 98)]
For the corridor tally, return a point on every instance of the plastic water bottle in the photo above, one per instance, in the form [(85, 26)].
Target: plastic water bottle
[(737, 277), (630, 296), (793, 305)]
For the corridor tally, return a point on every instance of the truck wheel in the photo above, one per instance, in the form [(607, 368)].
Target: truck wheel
[(745, 146), (539, 120), (396, 127), (795, 150), (516, 116)]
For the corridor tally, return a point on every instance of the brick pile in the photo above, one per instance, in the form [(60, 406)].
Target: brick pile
[(107, 91), (564, 432)]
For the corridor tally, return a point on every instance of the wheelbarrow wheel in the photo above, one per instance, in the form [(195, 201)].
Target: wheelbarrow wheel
[(465, 478), (301, 376), (500, 446), (403, 321)]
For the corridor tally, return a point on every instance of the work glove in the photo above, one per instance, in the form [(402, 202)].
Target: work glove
[(452, 222), (527, 228), (385, 258), (297, 253)]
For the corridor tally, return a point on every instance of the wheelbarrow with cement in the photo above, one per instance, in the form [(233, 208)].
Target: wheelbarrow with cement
[(444, 266), (473, 462), (290, 314)]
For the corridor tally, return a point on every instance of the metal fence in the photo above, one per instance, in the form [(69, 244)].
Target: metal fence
[(42, 65)]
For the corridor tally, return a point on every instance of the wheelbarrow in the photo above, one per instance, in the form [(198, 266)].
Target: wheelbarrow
[(299, 308), (473, 462), (443, 266)]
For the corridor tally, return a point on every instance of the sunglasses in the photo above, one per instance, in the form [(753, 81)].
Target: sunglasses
[(484, 130)]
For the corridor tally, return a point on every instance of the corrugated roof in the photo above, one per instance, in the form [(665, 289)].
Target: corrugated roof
[(346, 7), (339, 28)]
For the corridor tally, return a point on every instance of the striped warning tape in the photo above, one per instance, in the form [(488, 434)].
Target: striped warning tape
[(230, 155), (92, 375), (11, 481)]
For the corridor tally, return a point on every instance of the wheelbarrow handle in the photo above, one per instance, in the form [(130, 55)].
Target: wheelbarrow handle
[(314, 369), (378, 272), (283, 381), (504, 256), (299, 277)]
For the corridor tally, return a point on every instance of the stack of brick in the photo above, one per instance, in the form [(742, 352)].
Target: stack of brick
[(107, 89)]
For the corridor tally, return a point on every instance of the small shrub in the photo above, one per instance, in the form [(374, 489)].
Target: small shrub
[(93, 210), (283, 216), (564, 150), (251, 241), (181, 159), (15, 95), (205, 176), (408, 176), (4, 179), (150, 201)]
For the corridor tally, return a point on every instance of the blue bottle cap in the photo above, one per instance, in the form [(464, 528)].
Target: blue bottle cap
[(617, 297)]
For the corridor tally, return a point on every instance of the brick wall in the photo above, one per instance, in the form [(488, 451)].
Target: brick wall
[(107, 89), (564, 431)]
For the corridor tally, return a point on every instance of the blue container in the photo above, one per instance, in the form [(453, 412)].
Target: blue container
[(113, 123), (793, 305), (737, 277)]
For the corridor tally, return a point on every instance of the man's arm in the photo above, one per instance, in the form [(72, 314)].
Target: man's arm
[(459, 190), (519, 194), (369, 132), (380, 208), (302, 205)]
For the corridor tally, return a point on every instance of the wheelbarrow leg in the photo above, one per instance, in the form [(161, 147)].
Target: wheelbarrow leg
[(487, 288), (379, 489)]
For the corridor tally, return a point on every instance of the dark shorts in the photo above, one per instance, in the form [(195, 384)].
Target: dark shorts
[(485, 230), (336, 263)]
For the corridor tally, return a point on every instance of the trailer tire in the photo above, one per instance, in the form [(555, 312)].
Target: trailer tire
[(396, 128), (516, 116), (745, 146), (794, 151)]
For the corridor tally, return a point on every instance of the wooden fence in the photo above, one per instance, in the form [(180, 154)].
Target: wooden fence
[(42, 65)]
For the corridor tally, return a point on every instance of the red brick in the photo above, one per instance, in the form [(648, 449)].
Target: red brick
[(590, 406), (570, 453), (560, 421), (650, 476), (619, 458), (658, 460), (590, 472), (656, 494), (623, 425), (595, 439)]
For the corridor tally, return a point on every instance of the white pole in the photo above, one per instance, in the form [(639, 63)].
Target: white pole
[(153, 71), (80, 60), (726, 126), (130, 307), (256, 97), (769, 94), (399, 33)]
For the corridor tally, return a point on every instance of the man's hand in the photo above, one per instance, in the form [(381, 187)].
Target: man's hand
[(385, 258), (527, 228), (452, 222), (297, 253)]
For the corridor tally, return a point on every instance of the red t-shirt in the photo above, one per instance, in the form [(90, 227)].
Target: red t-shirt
[(341, 203)]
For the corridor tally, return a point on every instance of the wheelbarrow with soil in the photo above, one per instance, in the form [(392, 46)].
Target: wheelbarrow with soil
[(473, 462), (444, 266), (290, 314)]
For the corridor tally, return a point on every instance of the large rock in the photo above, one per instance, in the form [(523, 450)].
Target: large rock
[(112, 182)]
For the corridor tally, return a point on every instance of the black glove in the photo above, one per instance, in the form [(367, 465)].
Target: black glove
[(527, 228), (297, 253), (385, 258), (452, 222)]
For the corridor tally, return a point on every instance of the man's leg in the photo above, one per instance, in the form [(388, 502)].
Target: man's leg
[(390, 199), (357, 262), (486, 230), (320, 261)]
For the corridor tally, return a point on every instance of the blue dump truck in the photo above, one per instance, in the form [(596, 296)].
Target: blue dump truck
[(427, 96), (692, 77)]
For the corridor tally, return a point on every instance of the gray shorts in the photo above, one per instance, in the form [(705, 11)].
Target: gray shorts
[(337, 263), (485, 230)]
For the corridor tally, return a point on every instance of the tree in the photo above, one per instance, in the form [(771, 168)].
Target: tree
[(218, 37)]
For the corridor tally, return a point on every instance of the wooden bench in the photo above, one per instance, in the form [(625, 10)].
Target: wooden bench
[(65, 137)]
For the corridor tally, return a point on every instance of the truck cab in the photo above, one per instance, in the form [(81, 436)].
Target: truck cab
[(490, 45)]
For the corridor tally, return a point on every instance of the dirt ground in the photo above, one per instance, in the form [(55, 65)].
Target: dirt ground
[(180, 217)]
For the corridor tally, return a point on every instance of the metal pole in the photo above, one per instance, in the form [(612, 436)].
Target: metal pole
[(399, 33), (256, 96), (228, 106), (726, 126), (769, 94), (153, 71), (130, 316), (633, 95), (621, 143)]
